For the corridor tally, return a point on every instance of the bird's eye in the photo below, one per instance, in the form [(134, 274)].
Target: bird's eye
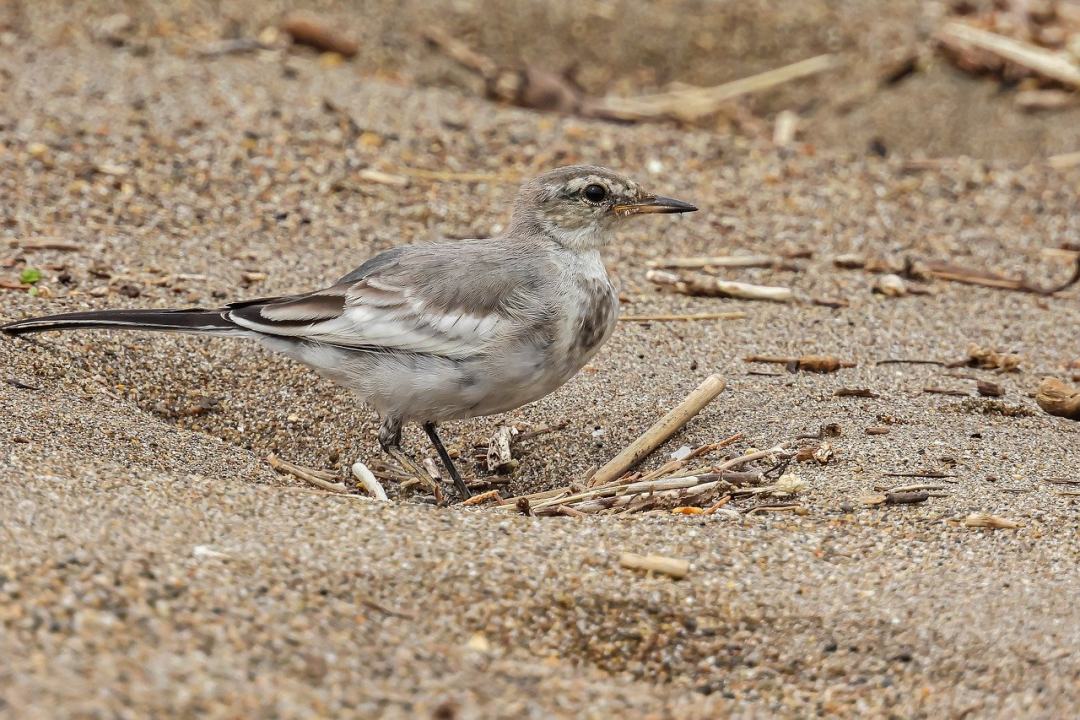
[(595, 193)]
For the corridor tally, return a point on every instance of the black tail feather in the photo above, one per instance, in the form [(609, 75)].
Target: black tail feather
[(194, 320)]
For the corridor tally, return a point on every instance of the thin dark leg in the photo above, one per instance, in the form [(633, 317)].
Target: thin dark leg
[(390, 441), (429, 428)]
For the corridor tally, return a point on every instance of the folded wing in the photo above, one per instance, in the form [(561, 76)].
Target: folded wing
[(386, 308)]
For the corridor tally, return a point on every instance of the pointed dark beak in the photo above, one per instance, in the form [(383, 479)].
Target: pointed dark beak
[(654, 204)]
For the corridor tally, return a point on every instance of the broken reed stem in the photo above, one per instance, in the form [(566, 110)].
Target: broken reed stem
[(1048, 63), (663, 429), (304, 474), (693, 103), (709, 286)]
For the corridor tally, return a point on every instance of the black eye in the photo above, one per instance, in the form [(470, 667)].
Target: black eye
[(595, 193)]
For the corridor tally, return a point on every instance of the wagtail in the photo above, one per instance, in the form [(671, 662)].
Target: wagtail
[(441, 331)]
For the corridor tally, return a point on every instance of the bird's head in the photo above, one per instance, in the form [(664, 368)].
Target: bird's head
[(578, 205)]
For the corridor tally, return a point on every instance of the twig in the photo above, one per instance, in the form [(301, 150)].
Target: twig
[(683, 318), (537, 432), (994, 522), (916, 487), (902, 361), (1053, 65), (305, 474), (693, 103), (933, 390), (663, 429), (945, 271), (786, 507), (673, 567), (483, 498), (50, 245), (812, 363), (924, 474), (855, 392), (708, 286)]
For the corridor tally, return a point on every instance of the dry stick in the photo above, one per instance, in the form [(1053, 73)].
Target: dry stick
[(692, 103), (708, 286), (1053, 65), (622, 501), (483, 498), (683, 318), (909, 488), (943, 271), (667, 426), (1064, 161), (304, 474), (674, 567), (50, 245)]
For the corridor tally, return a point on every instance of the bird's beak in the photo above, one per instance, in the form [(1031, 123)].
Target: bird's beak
[(653, 204)]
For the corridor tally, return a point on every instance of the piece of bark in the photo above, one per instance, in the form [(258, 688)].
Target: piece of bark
[(317, 33)]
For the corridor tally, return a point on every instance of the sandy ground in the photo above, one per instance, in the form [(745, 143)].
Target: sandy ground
[(151, 563)]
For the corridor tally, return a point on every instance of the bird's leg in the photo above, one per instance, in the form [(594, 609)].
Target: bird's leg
[(390, 441), (429, 428)]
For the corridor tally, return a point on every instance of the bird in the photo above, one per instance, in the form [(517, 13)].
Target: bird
[(443, 330)]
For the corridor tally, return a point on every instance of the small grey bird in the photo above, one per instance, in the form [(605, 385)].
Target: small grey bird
[(440, 331)]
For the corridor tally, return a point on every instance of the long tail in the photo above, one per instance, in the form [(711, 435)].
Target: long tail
[(185, 321)]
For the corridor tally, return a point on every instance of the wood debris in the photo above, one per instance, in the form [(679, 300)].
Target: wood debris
[(989, 389), (974, 45), (320, 34), (987, 359), (935, 390), (1058, 398), (708, 286), (484, 497), (855, 392), (994, 522), (538, 88), (916, 269), (984, 278), (809, 363), (794, 508), (499, 457), (664, 428), (318, 478), (47, 244), (689, 104), (672, 567)]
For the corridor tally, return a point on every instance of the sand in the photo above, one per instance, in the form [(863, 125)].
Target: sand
[(151, 562)]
